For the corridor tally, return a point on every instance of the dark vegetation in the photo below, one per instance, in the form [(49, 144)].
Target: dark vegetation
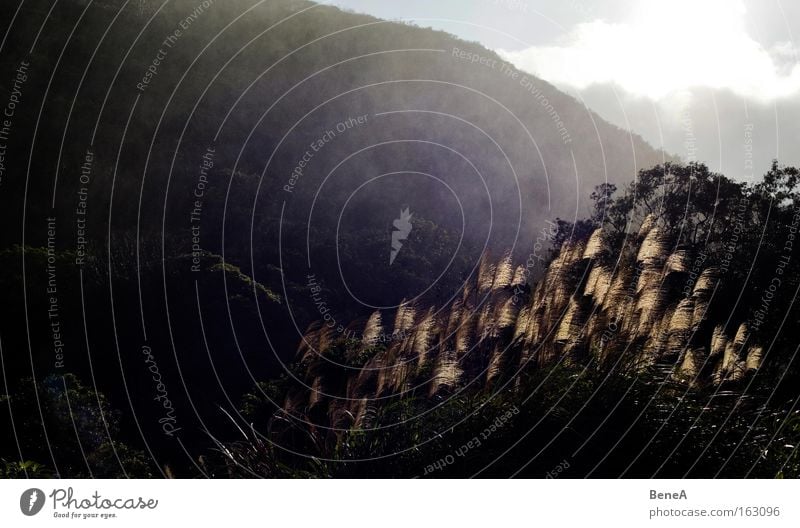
[(601, 424), (600, 419), (216, 330)]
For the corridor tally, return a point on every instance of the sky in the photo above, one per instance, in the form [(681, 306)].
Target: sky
[(695, 77)]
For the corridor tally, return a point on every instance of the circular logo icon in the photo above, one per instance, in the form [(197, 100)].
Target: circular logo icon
[(31, 501)]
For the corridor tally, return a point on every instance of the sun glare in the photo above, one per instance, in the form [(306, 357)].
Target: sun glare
[(664, 48)]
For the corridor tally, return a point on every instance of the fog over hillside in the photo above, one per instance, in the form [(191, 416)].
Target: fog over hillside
[(711, 81)]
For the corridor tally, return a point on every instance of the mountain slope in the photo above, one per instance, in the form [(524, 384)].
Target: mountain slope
[(209, 176), (474, 146)]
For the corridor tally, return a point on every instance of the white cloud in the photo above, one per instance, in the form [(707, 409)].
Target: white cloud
[(666, 47)]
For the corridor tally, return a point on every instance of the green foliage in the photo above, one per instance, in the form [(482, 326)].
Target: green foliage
[(634, 425), (22, 469), (80, 427), (262, 402)]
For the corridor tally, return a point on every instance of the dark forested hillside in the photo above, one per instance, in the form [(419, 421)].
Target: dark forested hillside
[(155, 92), (186, 185)]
